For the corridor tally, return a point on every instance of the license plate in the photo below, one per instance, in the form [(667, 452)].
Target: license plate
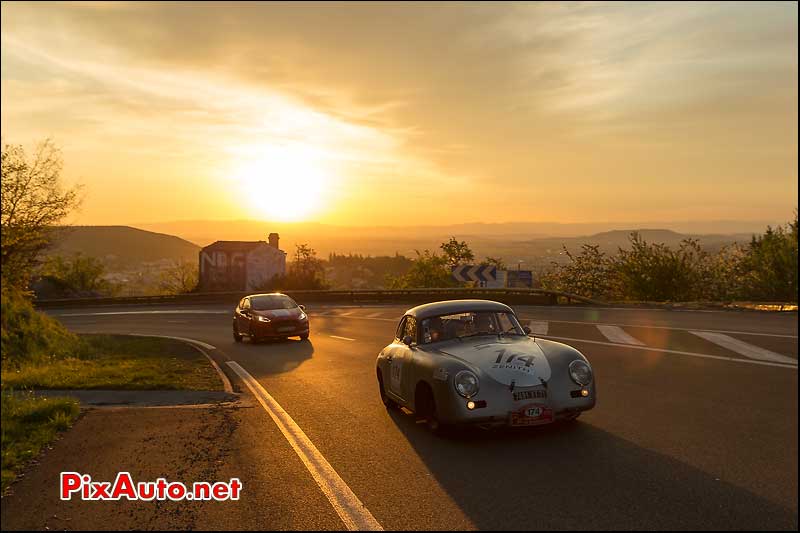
[(286, 328), (532, 415), (530, 395)]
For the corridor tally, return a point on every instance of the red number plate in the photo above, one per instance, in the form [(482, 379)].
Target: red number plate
[(531, 415)]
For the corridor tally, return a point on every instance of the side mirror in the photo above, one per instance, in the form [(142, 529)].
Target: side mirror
[(302, 307), (407, 340), (527, 330)]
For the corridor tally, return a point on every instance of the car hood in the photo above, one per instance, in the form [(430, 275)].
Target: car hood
[(279, 313), (517, 359)]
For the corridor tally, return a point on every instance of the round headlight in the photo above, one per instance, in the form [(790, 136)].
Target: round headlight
[(580, 372), (466, 383)]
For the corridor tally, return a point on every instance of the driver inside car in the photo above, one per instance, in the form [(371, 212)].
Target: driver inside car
[(433, 329), (482, 323)]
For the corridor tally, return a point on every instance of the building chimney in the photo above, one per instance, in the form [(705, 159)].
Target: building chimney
[(273, 240)]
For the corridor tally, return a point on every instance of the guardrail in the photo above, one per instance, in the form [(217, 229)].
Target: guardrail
[(361, 296)]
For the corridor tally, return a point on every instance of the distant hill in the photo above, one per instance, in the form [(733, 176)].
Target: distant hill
[(327, 238), (621, 238), (121, 246)]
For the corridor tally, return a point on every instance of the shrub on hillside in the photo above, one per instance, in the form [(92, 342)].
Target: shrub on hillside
[(769, 265), (766, 269), (27, 335)]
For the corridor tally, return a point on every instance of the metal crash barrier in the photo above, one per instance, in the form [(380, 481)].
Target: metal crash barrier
[(362, 296)]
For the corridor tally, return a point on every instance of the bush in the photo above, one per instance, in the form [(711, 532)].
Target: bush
[(74, 277), (769, 265), (429, 270), (655, 272), (27, 335), (587, 274), (766, 269)]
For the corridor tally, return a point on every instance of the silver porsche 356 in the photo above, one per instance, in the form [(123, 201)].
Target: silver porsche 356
[(470, 362)]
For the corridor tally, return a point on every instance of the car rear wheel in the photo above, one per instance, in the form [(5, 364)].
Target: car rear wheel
[(236, 335)]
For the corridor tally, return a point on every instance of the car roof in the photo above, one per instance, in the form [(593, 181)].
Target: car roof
[(268, 294), (449, 307)]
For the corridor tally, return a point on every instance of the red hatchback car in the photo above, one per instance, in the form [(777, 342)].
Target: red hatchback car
[(274, 315)]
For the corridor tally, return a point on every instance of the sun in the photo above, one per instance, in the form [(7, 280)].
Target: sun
[(282, 183)]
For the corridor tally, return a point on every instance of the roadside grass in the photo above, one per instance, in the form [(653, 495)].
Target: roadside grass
[(28, 424), (117, 362)]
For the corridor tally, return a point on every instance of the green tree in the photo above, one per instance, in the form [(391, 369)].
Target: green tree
[(305, 272), (769, 265), (306, 263), (179, 278), (76, 276), (33, 201), (428, 270), (497, 262), (655, 272), (457, 253), (587, 274)]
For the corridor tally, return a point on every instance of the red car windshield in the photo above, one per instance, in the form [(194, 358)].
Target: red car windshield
[(268, 302)]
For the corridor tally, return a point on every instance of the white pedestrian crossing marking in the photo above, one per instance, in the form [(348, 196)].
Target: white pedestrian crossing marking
[(538, 327), (618, 335), (743, 348)]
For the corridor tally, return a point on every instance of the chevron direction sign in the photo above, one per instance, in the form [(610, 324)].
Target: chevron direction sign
[(475, 273)]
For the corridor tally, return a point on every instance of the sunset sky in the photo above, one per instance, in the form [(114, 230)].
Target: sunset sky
[(391, 114)]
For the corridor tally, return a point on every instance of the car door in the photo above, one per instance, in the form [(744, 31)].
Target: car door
[(399, 359)]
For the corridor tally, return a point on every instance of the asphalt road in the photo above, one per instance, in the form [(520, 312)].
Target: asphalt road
[(695, 425)]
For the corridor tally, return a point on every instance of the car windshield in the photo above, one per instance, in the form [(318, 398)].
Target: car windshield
[(469, 324), (272, 301)]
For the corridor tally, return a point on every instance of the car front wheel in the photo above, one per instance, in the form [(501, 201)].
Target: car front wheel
[(236, 335), (426, 409), (387, 402)]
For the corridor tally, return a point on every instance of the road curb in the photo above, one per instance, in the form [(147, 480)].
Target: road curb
[(201, 347)]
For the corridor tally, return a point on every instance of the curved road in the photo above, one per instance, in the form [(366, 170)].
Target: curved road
[(695, 426)]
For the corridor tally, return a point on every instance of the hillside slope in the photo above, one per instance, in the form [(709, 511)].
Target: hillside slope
[(121, 245)]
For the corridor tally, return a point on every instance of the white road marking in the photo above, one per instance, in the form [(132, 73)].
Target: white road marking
[(743, 348), (618, 335), (650, 326), (538, 327), (342, 338), (678, 352), (348, 313), (354, 514), (373, 315)]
